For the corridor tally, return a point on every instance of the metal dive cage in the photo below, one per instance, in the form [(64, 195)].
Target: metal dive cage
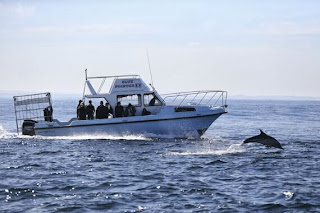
[(31, 109)]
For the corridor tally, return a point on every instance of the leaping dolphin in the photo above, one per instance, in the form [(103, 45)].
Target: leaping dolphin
[(264, 139)]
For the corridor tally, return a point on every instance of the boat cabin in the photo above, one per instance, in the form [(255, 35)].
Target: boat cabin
[(126, 89)]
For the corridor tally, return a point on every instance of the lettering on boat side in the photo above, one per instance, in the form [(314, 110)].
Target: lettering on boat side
[(137, 85), (128, 83)]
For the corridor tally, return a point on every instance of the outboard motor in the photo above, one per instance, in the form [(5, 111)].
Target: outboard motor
[(28, 127)]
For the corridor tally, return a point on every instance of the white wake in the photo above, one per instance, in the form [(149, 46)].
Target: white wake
[(88, 137), (234, 148), (4, 134)]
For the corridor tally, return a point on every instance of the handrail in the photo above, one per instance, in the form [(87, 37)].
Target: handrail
[(17, 96), (193, 92), (197, 97), (101, 85), (103, 81), (113, 76)]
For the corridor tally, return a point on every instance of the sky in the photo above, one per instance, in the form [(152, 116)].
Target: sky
[(250, 48)]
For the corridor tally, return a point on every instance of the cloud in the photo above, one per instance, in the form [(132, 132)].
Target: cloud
[(287, 29), (24, 11), (16, 10), (193, 44), (113, 29), (44, 29)]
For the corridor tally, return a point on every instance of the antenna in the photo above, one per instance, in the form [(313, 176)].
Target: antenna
[(84, 87), (150, 69)]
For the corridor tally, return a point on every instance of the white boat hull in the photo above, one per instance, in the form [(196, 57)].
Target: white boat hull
[(184, 126)]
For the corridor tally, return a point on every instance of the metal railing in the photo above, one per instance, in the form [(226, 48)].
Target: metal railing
[(102, 83), (197, 98)]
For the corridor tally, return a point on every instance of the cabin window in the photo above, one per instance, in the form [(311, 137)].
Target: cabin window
[(125, 100), (151, 100), (184, 109)]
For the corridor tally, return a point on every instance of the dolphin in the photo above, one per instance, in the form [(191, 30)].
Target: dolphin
[(264, 139)]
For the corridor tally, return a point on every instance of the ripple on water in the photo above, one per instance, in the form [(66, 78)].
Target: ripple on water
[(17, 194)]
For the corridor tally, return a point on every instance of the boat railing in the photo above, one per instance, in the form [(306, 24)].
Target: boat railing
[(96, 89), (112, 76), (197, 98)]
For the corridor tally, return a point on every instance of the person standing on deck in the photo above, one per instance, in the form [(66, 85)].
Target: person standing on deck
[(78, 107), (82, 112), (100, 110), (105, 111), (47, 112), (119, 112), (109, 110), (90, 110)]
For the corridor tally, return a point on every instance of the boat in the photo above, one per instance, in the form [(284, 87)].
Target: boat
[(174, 115)]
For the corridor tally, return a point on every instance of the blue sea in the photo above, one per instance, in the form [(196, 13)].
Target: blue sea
[(103, 173)]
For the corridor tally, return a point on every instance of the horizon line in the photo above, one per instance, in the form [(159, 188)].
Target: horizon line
[(237, 96)]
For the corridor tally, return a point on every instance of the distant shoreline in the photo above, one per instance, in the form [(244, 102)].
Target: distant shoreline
[(10, 94), (275, 98)]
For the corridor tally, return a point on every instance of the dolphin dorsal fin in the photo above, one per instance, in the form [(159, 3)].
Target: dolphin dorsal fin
[(262, 133)]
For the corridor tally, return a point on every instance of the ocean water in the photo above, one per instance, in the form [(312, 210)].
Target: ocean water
[(216, 173)]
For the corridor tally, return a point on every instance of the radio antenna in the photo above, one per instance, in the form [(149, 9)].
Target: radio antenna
[(85, 84), (150, 69)]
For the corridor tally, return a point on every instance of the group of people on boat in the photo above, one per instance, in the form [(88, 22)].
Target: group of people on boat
[(105, 111)]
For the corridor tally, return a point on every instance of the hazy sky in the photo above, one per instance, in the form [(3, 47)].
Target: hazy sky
[(245, 47)]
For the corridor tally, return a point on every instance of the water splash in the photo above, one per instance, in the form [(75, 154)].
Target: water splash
[(234, 148), (4, 134), (288, 194)]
